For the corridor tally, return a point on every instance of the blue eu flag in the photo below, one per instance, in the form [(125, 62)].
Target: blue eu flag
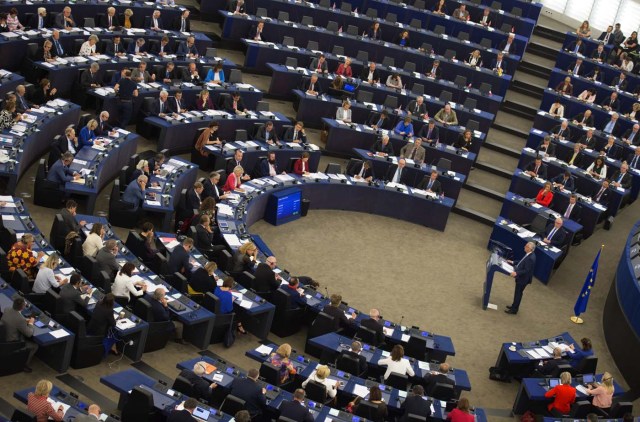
[(583, 298)]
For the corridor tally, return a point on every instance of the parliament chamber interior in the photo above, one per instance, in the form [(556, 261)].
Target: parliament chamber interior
[(344, 210)]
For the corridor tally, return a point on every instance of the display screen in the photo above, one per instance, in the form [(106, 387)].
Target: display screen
[(289, 205)]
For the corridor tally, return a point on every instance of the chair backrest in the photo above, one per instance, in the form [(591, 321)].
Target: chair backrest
[(323, 324), (463, 36), (416, 347), (372, 13), (416, 23), (333, 168), (367, 335), (419, 4), (283, 16), (312, 45), (138, 405), (348, 363), (485, 88), (77, 324), (442, 391), (325, 3), (562, 368), (460, 81), (399, 381), (291, 62), (417, 89), (362, 56), (338, 50), (391, 18), (241, 135), (352, 165), (183, 385), (307, 20), (388, 61), (449, 53), (472, 125), (446, 96), (516, 11), (262, 12), (619, 409), (345, 7), (409, 67), (391, 101), (580, 409), (496, 5), (89, 23), (270, 373), (232, 405), (288, 41), (506, 27), (439, 29), (142, 308), (235, 76), (262, 106), (485, 42), (470, 103), (367, 410), (539, 223), (587, 365), (364, 96), (20, 415), (352, 29), (316, 391)]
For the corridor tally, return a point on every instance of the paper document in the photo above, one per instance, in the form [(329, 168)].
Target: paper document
[(246, 304), (59, 333), (57, 404), (125, 324), (387, 331), (360, 390), (263, 349)]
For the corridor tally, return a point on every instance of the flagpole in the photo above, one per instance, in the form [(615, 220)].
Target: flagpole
[(575, 318)]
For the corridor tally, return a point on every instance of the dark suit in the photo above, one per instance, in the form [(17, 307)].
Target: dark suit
[(210, 191), (22, 104), (572, 48), (104, 21), (251, 392), (379, 147), (625, 182), (103, 128), (603, 36), (436, 187), (201, 281), (589, 142), (374, 118), (69, 298), (503, 65), (569, 183), (580, 69), (599, 55), (415, 405), (133, 194), (101, 320), (177, 24), (634, 161), (415, 109), (69, 221), (265, 279), (141, 49), (549, 150), (375, 326), (575, 211), (231, 164), (364, 75), (107, 263), (290, 134), (34, 21), (623, 84), (112, 49), (228, 104), (362, 361), (558, 237), (166, 108), (562, 133), (193, 200), (264, 168), (542, 171), (404, 175), (60, 174), (357, 169), (160, 24), (306, 86), (614, 104), (340, 320), (524, 275), (253, 33), (315, 64), (604, 197), (200, 388), (179, 261), (430, 381), (296, 411), (551, 365), (438, 71), (180, 416), (261, 134), (88, 78), (184, 50), (204, 239), (424, 133), (588, 122), (635, 139), (611, 151)]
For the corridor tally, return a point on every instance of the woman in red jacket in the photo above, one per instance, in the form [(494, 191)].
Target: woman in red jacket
[(545, 196), (234, 180), (301, 167), (564, 395), (462, 413)]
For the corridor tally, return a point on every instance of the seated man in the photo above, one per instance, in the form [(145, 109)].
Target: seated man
[(536, 168), (134, 193), (267, 133), (201, 388), (311, 86), (447, 116), (397, 173), (269, 167), (155, 21), (110, 20), (106, 259), (188, 49), (160, 311), (60, 172), (235, 162), (179, 261), (266, 280), (249, 390), (622, 178), (233, 104), (561, 131), (319, 65), (138, 48), (191, 75), (379, 120), (141, 74), (341, 321), (564, 181), (572, 210), (370, 74), (296, 133), (413, 151), (429, 132), (169, 75), (631, 136), (19, 328), (373, 324), (611, 103), (587, 140), (382, 146), (546, 148), (362, 171), (415, 404), (547, 368), (554, 234), (295, 410), (584, 119), (356, 348), (440, 377), (194, 197), (162, 107), (298, 299), (116, 48), (178, 104), (431, 183), (417, 107)]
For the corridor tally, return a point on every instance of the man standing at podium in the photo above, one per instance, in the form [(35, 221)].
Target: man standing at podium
[(523, 273)]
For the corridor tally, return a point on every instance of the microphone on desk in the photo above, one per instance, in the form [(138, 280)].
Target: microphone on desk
[(326, 290), (401, 319)]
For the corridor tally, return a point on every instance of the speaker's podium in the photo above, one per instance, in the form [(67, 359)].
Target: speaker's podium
[(497, 262)]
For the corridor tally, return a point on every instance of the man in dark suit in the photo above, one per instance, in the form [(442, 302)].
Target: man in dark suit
[(179, 259), (135, 191), (417, 107), (601, 196), (268, 166), (561, 131), (564, 181), (66, 143), (431, 183), (69, 217), (296, 133), (507, 45), (211, 189), (611, 103), (160, 312), (373, 324), (584, 119), (622, 178), (249, 390), (91, 78), (155, 21), (298, 300), (194, 196), (551, 365), (71, 294), (362, 171), (499, 63), (109, 20), (182, 23), (188, 49), (18, 328), (607, 36), (379, 120), (235, 161), (161, 107), (429, 132), (370, 74), (64, 19), (186, 414), (415, 404), (169, 74), (382, 146), (116, 48), (576, 68), (536, 168), (632, 135), (634, 159), (439, 377), (587, 140), (611, 150), (555, 235), (39, 20), (340, 320), (523, 275), (611, 128), (202, 389), (60, 172), (267, 133), (257, 32), (576, 47), (354, 352), (57, 50), (233, 104), (139, 47), (265, 279), (398, 173), (22, 104), (572, 211), (434, 71), (599, 54), (546, 148), (104, 127), (620, 82), (319, 65), (295, 409), (106, 258), (311, 86)]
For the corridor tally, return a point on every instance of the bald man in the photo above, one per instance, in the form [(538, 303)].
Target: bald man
[(92, 416), (374, 324)]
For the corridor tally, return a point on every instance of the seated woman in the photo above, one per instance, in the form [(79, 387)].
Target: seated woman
[(634, 113), (215, 75), (46, 52), (464, 140), (395, 363), (344, 113), (301, 166), (87, 136), (93, 242), (557, 109), (462, 412), (440, 8), (124, 286), (564, 395), (150, 248), (404, 127), (374, 32), (602, 392), (20, 250), (580, 352), (39, 405), (394, 81), (244, 258), (234, 180), (142, 169), (223, 293), (402, 39), (280, 359), (565, 87), (209, 136), (598, 169), (204, 279), (588, 95), (584, 30), (44, 92), (337, 84), (545, 196), (375, 397), (474, 58), (344, 69), (102, 323), (320, 375), (7, 118), (204, 101), (46, 279)]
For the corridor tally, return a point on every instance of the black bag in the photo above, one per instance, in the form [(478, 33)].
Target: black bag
[(230, 335), (499, 374)]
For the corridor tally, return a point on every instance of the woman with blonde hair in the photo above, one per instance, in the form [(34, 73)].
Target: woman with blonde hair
[(280, 359), (320, 375), (38, 404), (234, 180), (244, 258), (127, 18), (602, 393), (46, 278), (564, 396), (87, 136)]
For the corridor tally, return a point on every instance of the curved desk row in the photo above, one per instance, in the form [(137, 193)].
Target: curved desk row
[(99, 165), (250, 96), (180, 136), (621, 316), (590, 44), (15, 50), (8, 82), (23, 148), (343, 138), (285, 79)]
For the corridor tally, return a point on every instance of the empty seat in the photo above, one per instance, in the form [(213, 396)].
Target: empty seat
[(332, 26), (307, 20), (416, 23), (439, 29), (288, 41), (485, 42), (291, 62), (463, 36), (211, 52), (473, 125), (445, 96), (409, 67), (485, 88), (312, 45), (470, 103), (362, 56), (516, 11), (338, 50), (388, 61), (283, 16), (391, 101), (262, 106), (450, 54), (235, 76), (261, 12), (391, 18), (460, 81), (496, 5), (364, 96), (345, 7), (372, 13), (417, 89), (352, 30)]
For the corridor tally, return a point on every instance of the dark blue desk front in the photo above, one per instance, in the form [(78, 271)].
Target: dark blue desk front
[(9, 81)]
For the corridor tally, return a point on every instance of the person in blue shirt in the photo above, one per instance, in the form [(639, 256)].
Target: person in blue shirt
[(215, 75), (188, 49), (223, 293), (404, 127), (298, 299), (579, 353), (134, 193), (87, 136), (60, 171)]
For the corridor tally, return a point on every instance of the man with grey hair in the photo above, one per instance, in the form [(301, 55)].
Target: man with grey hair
[(106, 258), (138, 48), (295, 409), (93, 414), (104, 128), (39, 20), (22, 104), (160, 311), (382, 147), (202, 389), (141, 74), (110, 20), (90, 78), (162, 107), (134, 193), (60, 172), (523, 275), (64, 20), (373, 323)]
